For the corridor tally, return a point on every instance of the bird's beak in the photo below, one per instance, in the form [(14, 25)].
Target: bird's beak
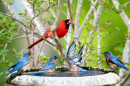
[(69, 22), (57, 59)]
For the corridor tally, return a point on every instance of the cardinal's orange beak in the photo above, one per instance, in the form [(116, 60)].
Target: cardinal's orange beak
[(69, 22)]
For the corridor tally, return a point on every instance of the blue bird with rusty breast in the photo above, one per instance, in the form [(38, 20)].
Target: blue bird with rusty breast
[(74, 60), (113, 62), (50, 66), (22, 64)]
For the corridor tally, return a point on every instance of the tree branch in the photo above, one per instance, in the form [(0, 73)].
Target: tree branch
[(95, 23), (96, 20), (87, 16), (20, 37), (77, 21), (126, 52), (113, 44), (41, 12), (28, 27), (54, 26), (123, 80), (11, 38), (51, 9), (124, 5), (29, 8), (122, 14), (70, 13)]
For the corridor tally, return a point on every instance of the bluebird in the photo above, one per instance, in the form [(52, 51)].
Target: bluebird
[(22, 64), (74, 60), (50, 66), (113, 62)]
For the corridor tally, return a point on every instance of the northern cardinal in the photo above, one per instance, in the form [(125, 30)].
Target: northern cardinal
[(61, 31)]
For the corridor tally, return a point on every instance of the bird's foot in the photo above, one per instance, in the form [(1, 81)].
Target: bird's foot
[(21, 72)]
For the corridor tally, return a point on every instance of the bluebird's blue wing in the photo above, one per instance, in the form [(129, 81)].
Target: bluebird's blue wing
[(118, 62), (48, 66), (21, 63)]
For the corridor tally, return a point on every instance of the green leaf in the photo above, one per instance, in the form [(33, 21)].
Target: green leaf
[(2, 52), (22, 50), (10, 64), (9, 2), (120, 11), (1, 73), (88, 41), (8, 37), (120, 7), (20, 13), (31, 58)]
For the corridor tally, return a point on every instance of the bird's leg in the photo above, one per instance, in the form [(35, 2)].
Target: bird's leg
[(20, 71), (74, 69)]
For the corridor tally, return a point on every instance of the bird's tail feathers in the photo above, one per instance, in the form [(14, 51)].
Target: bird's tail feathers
[(8, 71), (80, 50), (81, 54), (36, 42)]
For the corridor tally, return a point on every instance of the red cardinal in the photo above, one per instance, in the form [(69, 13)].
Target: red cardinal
[(61, 31)]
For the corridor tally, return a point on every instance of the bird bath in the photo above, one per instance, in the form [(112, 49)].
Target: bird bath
[(63, 77)]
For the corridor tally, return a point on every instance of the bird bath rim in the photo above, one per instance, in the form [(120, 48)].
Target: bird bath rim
[(109, 77)]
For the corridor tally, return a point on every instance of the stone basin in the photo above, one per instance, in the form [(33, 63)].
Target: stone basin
[(63, 77)]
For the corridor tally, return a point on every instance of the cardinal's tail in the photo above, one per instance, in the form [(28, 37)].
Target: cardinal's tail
[(36, 42)]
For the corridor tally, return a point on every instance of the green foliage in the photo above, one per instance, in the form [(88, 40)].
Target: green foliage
[(61, 61), (9, 2), (120, 7), (8, 28), (44, 59), (48, 20)]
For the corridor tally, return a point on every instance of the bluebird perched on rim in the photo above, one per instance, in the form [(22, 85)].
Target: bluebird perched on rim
[(113, 62), (51, 65), (22, 64), (74, 60)]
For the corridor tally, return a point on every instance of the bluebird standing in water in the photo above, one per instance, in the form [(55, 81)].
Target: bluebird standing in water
[(22, 64), (113, 62), (51, 65), (74, 60)]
